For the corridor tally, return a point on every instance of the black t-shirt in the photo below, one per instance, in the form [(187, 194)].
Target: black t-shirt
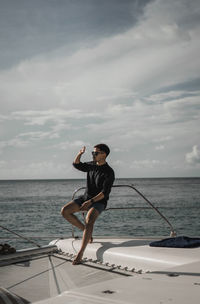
[(99, 179)]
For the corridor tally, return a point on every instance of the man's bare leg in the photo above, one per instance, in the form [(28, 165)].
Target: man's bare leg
[(87, 233), (68, 211)]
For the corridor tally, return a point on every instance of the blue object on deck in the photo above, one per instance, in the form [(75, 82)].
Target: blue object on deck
[(177, 242)]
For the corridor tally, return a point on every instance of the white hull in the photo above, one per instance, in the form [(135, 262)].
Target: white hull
[(115, 271)]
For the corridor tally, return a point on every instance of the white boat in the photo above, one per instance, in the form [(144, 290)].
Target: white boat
[(114, 270)]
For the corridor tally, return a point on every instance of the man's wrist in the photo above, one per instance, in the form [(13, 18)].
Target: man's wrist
[(91, 200)]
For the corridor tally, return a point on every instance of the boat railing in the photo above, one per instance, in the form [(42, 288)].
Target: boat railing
[(151, 206)]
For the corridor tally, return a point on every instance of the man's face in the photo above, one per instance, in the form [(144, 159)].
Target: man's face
[(98, 155)]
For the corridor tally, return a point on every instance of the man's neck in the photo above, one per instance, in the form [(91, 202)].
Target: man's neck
[(101, 163)]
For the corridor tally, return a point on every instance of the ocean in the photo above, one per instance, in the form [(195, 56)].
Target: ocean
[(32, 208)]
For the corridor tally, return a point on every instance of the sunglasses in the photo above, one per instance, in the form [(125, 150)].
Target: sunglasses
[(96, 153)]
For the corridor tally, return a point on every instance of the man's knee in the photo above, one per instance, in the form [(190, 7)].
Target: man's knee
[(69, 209), (65, 211), (62, 211)]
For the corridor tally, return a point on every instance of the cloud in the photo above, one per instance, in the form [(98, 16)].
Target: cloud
[(3, 117), (193, 157), (16, 169), (163, 139), (183, 109), (56, 121), (74, 144), (2, 163), (55, 115), (42, 27), (125, 60), (160, 147), (15, 142), (170, 95), (132, 89), (146, 163), (38, 135)]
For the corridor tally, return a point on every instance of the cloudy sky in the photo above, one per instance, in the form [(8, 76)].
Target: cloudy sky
[(81, 72)]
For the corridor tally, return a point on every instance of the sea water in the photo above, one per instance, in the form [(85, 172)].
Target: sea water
[(32, 208)]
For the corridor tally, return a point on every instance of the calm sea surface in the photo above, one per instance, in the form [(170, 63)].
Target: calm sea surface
[(32, 208)]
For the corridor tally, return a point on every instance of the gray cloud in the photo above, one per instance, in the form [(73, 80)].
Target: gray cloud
[(29, 28), (193, 157), (189, 86)]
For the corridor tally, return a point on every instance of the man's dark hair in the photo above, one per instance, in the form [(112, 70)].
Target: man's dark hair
[(103, 148)]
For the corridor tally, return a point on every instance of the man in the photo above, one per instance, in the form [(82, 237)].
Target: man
[(100, 178)]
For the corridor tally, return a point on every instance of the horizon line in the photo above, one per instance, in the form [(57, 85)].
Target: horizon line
[(59, 179)]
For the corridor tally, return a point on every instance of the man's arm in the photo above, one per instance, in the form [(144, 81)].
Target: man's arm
[(84, 167), (94, 199), (108, 183), (78, 156), (98, 197)]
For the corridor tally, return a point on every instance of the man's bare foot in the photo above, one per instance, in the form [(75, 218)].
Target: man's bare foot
[(78, 259)]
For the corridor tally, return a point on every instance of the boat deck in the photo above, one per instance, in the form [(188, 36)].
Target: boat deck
[(115, 270), (132, 253)]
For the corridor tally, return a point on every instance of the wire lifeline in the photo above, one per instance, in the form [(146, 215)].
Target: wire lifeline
[(172, 233), (20, 236)]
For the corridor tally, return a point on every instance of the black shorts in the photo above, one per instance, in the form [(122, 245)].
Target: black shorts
[(97, 205)]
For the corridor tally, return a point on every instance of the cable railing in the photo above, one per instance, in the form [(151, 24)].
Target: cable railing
[(151, 206)]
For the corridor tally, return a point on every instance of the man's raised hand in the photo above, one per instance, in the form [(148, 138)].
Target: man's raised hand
[(82, 150)]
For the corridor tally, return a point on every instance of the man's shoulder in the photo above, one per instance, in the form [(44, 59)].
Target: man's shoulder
[(109, 169), (91, 164)]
